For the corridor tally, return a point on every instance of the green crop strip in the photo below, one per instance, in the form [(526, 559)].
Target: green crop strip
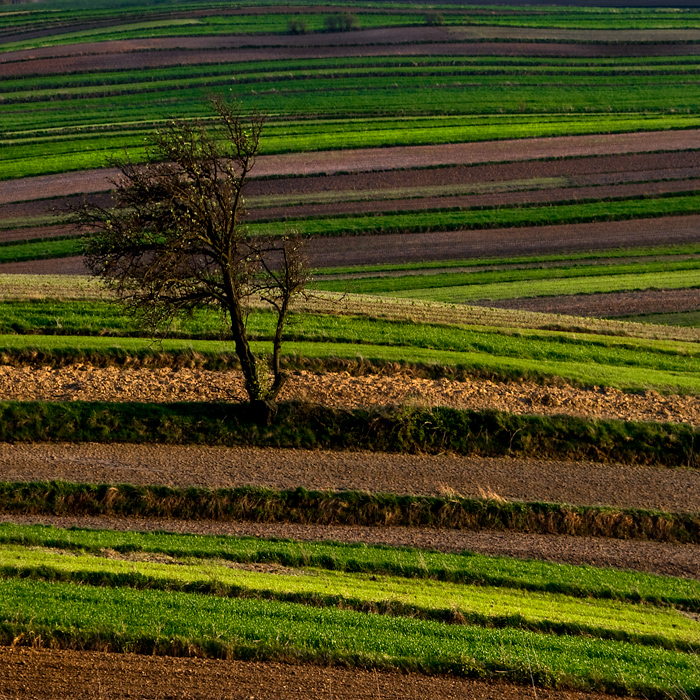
[(66, 151), (442, 220), (554, 287), (101, 318), (170, 622), (41, 250), (427, 599), (466, 568), (686, 319), (581, 358), (526, 280)]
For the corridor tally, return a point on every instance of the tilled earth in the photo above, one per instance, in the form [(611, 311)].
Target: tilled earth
[(609, 305), (85, 382), (394, 157), (60, 675), (347, 251)]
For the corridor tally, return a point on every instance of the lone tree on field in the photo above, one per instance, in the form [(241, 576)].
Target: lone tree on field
[(174, 241)]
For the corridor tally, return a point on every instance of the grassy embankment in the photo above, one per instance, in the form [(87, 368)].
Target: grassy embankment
[(308, 426)]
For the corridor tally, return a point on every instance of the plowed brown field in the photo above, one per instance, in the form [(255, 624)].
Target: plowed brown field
[(60, 675), (452, 245), (398, 41), (650, 301), (391, 158), (88, 383)]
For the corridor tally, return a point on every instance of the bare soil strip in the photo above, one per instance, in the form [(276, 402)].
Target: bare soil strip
[(18, 235), (610, 305), (580, 483), (635, 555), (380, 159), (31, 673), (500, 242), (661, 172), (88, 383), (53, 266), (502, 199), (600, 169), (160, 51)]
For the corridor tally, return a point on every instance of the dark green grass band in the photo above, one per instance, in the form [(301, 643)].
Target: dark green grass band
[(346, 508), (309, 426)]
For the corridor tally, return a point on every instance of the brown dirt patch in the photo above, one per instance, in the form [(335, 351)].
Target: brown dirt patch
[(501, 199), (17, 235), (52, 266), (182, 466), (381, 159), (160, 51), (88, 383), (502, 242), (513, 183), (610, 305), (453, 245), (601, 169), (32, 673)]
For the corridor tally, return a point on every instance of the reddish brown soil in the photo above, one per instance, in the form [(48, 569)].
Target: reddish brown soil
[(502, 242), (592, 177), (611, 305), (509, 150), (53, 266), (581, 171), (501, 199), (31, 674), (140, 53), (381, 159), (453, 245)]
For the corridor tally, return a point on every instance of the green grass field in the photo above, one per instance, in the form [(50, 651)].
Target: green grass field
[(154, 621), (583, 358)]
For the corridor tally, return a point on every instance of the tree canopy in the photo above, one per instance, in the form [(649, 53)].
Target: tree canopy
[(174, 240)]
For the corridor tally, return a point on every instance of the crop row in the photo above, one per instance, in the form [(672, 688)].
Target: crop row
[(279, 22), (639, 67), (124, 619), (587, 359), (467, 568), (21, 287), (426, 599), (366, 335), (549, 213), (380, 77), (485, 278), (64, 148), (370, 95)]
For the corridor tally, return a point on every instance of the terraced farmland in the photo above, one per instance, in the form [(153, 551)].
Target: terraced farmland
[(483, 478)]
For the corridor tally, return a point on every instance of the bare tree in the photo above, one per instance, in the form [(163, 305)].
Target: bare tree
[(174, 241)]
